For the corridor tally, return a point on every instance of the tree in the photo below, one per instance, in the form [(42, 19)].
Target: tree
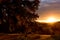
[(16, 14)]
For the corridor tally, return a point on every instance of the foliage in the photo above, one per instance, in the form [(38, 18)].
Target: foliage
[(15, 15)]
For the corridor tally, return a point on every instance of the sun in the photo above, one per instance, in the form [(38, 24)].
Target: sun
[(48, 20), (51, 19)]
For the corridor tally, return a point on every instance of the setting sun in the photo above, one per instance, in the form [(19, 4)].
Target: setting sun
[(48, 20), (51, 19)]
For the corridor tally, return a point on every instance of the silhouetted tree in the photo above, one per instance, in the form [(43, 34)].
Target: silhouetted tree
[(16, 15)]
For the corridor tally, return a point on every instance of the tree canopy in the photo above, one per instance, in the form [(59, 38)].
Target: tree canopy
[(17, 14)]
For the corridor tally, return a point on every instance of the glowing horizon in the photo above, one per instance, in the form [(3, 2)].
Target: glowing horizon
[(44, 21), (48, 20)]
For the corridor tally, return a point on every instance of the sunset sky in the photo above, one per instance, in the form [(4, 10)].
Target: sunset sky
[(49, 8)]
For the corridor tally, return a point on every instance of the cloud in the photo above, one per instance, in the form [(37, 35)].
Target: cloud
[(50, 1), (49, 9), (46, 3)]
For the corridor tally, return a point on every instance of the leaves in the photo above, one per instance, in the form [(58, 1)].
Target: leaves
[(16, 13)]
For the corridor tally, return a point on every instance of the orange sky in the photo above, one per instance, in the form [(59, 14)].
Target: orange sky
[(49, 9)]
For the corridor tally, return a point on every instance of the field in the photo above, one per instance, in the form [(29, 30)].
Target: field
[(25, 37)]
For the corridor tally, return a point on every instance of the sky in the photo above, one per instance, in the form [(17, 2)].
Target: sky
[(49, 8)]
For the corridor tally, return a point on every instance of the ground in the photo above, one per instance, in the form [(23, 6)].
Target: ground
[(24, 37)]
